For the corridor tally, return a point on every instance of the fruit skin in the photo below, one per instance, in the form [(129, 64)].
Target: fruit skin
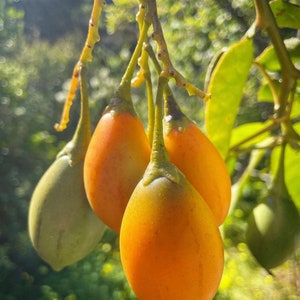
[(115, 161), (193, 153), (62, 226), (170, 245), (273, 229)]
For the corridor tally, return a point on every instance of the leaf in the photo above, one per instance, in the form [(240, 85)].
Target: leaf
[(268, 58), (264, 92), (247, 130), (295, 113), (226, 88), (287, 15)]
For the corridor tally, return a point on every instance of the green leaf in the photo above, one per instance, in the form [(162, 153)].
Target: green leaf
[(268, 58), (226, 88), (264, 92), (247, 130), (295, 113), (287, 15)]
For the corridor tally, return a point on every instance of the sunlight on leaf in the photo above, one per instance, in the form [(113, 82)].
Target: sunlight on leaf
[(287, 14), (226, 87), (268, 58)]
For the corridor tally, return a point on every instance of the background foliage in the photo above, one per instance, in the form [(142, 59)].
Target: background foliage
[(39, 45)]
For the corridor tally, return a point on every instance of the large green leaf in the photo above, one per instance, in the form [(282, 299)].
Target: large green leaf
[(287, 14), (226, 88), (268, 58)]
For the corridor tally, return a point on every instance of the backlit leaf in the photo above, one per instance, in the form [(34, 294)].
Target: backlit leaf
[(226, 88), (287, 15), (268, 58)]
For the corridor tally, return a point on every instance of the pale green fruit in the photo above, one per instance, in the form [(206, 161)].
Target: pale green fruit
[(62, 226)]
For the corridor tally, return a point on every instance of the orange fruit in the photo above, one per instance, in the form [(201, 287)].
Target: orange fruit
[(170, 245), (193, 153), (115, 161)]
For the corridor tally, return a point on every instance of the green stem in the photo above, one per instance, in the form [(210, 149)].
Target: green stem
[(279, 181), (266, 21), (159, 153), (124, 90), (237, 188), (77, 147), (254, 135), (270, 83), (160, 165), (151, 111), (83, 130)]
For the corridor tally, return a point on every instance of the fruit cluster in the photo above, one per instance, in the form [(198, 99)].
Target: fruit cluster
[(165, 193), (165, 190)]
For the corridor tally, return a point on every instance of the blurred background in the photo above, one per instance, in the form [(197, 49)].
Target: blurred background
[(40, 42)]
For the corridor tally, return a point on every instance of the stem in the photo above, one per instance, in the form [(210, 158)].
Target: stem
[(279, 176), (237, 188), (151, 110), (77, 147), (83, 131), (256, 134), (124, 90), (270, 82), (171, 106), (85, 57), (159, 153), (265, 20), (144, 75), (163, 54), (160, 165)]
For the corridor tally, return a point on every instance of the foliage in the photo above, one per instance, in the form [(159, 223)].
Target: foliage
[(39, 44)]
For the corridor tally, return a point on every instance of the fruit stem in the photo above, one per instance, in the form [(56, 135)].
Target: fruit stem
[(172, 110), (237, 188), (124, 90), (160, 165), (77, 147), (151, 112), (144, 75), (279, 180)]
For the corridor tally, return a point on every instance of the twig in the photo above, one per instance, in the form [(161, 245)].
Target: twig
[(85, 57)]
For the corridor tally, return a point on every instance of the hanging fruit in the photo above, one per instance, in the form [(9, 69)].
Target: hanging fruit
[(62, 227), (116, 159), (274, 225), (193, 153), (119, 151), (170, 244)]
